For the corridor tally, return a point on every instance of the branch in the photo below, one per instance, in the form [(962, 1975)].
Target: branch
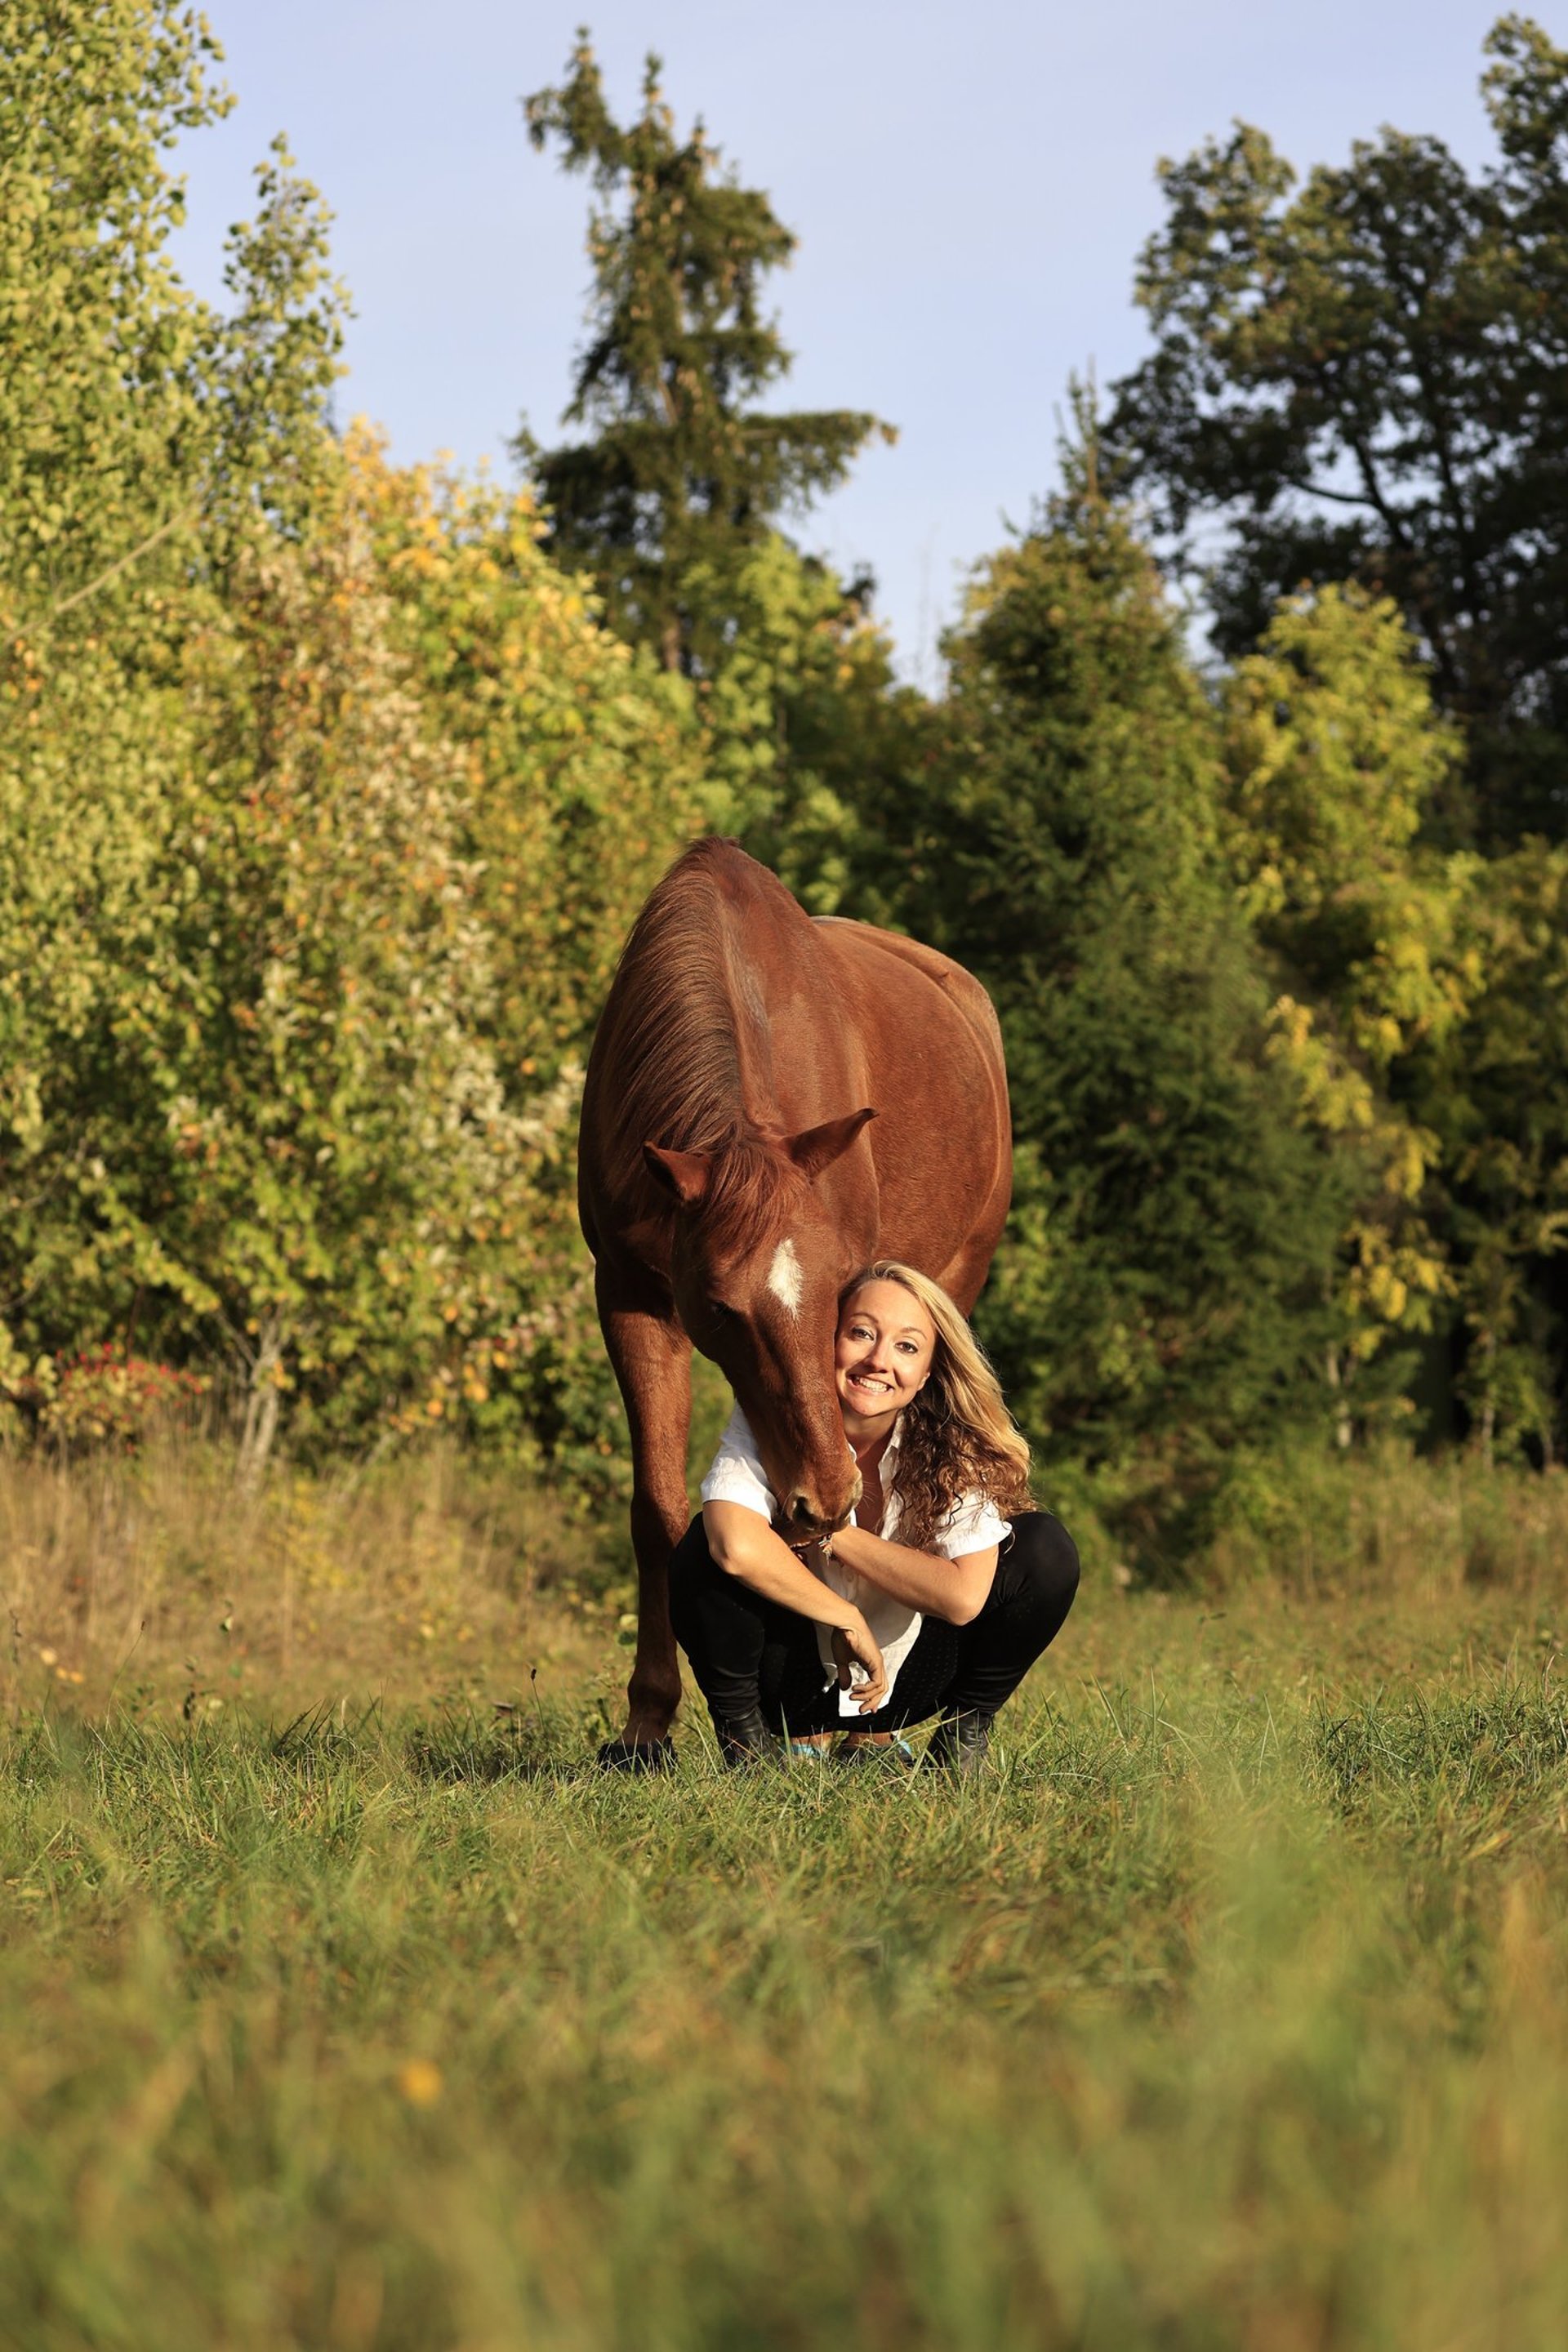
[(1391, 515), (123, 562), (1340, 497)]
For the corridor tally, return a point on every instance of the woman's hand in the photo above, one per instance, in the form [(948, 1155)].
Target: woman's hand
[(853, 1645)]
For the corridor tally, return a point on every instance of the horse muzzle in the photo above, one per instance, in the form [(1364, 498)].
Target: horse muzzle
[(805, 1518)]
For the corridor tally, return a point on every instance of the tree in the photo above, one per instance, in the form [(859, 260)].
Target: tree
[(1160, 1296), (1493, 1085), (1334, 756), (682, 469), (810, 737), (1368, 380), (102, 432), (581, 773), (124, 478), (324, 1146)]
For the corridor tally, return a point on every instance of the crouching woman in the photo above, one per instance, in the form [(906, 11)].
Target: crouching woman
[(935, 1600)]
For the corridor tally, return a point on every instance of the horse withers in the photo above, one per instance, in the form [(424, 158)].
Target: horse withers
[(772, 1100)]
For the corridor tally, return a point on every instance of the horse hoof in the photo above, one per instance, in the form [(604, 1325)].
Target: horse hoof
[(638, 1756)]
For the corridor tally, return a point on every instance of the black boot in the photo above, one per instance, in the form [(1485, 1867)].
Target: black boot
[(959, 1743), (746, 1738)]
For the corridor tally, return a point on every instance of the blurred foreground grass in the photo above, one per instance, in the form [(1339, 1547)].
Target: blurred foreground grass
[(1232, 2012)]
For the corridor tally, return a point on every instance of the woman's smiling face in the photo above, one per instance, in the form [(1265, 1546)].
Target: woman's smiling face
[(882, 1355)]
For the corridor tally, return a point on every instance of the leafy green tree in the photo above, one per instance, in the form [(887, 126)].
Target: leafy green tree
[(808, 732), (582, 772), (323, 801), (325, 1143), (132, 416), (102, 422), (582, 762), (679, 469), (1493, 1085), (121, 486), (1160, 1298), (1367, 378), (1334, 756)]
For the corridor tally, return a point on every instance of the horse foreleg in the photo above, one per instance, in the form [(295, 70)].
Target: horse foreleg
[(652, 1359)]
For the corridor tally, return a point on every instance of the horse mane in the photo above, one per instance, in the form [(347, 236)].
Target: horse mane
[(678, 1053)]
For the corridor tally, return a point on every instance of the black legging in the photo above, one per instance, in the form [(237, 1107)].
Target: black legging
[(747, 1651)]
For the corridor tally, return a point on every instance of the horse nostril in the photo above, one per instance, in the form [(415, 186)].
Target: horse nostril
[(800, 1510)]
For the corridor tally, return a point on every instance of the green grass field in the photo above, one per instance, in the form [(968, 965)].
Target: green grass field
[(345, 2009)]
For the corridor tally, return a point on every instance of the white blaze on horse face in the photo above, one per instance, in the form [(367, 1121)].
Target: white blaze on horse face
[(784, 1279)]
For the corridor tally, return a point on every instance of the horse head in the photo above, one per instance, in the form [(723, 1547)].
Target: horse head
[(760, 1258)]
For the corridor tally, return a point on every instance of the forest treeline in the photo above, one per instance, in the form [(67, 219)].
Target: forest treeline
[(329, 787)]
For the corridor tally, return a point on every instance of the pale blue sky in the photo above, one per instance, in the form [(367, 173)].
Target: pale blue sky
[(970, 184)]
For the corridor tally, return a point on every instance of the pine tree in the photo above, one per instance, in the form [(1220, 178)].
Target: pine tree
[(681, 473), (1160, 1299)]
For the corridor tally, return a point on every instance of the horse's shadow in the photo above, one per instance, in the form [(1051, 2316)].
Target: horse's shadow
[(450, 1755), (448, 1748)]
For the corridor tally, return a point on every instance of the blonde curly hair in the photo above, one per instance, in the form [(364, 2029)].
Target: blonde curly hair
[(956, 1436)]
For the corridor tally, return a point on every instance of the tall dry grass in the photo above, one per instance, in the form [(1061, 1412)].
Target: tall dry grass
[(131, 1575), (1359, 1525)]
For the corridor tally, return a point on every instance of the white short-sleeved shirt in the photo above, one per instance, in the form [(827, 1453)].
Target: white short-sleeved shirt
[(736, 1475)]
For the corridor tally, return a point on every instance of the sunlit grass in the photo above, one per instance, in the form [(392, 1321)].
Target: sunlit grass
[(1232, 2011), (398, 2032)]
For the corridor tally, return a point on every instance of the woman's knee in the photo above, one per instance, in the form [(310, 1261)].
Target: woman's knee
[(1044, 1557)]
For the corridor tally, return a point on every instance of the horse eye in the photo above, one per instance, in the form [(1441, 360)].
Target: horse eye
[(719, 1311)]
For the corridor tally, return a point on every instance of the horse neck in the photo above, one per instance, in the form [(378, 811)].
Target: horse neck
[(691, 1040)]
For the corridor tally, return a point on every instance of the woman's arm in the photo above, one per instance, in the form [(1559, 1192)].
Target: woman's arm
[(744, 1545), (956, 1590)]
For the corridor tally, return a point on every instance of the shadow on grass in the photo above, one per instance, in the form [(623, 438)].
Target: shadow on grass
[(511, 1745)]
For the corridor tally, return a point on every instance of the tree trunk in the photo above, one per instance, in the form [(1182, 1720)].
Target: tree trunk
[(263, 1400), (1488, 1409), (1343, 1432)]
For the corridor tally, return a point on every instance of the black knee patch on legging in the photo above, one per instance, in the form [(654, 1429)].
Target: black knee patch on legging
[(747, 1651), (975, 1668)]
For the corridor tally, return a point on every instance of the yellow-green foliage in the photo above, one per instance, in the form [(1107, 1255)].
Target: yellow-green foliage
[(1335, 757), (326, 802), (579, 762), (577, 768), (805, 729), (1421, 1005), (356, 870), (1495, 1085), (101, 407)]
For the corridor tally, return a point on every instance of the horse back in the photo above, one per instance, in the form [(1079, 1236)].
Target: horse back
[(866, 943), (942, 1137)]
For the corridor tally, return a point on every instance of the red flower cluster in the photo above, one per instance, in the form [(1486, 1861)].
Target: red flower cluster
[(104, 1397)]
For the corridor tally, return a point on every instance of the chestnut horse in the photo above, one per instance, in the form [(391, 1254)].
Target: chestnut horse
[(772, 1101)]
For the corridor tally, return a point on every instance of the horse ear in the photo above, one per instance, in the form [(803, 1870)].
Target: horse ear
[(683, 1174), (817, 1148)]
